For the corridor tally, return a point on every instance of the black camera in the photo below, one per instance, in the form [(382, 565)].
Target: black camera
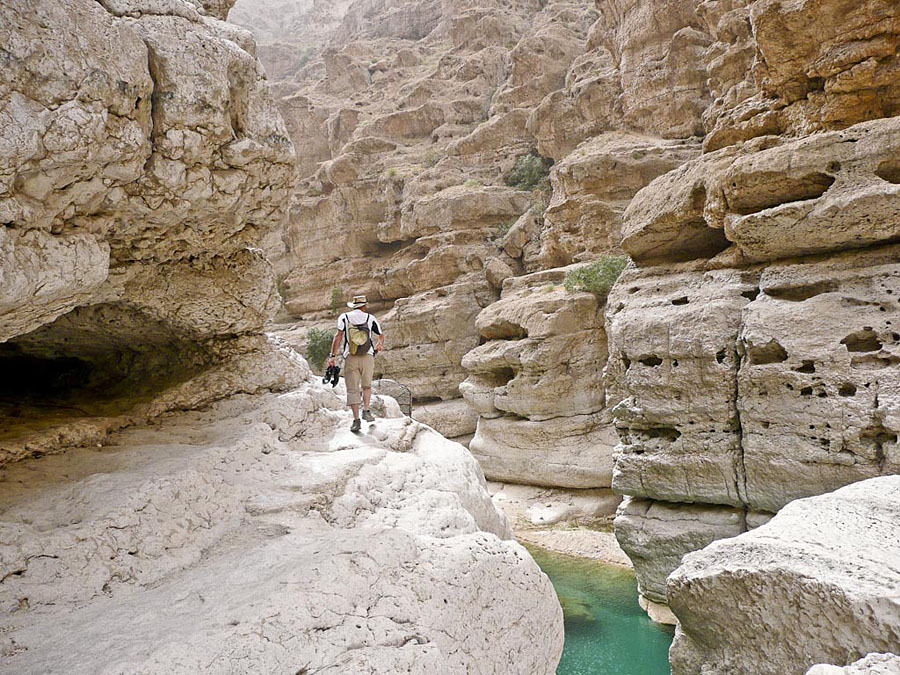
[(332, 374)]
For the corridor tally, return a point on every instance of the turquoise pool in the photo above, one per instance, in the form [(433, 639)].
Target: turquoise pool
[(607, 633)]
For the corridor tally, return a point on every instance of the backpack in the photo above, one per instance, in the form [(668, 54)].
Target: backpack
[(359, 337)]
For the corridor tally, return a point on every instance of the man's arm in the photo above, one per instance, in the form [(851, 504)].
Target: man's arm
[(338, 337), (379, 343)]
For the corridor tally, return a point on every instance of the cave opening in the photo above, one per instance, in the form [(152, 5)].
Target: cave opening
[(99, 361)]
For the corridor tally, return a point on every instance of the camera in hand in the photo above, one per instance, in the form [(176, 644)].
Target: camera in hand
[(332, 374)]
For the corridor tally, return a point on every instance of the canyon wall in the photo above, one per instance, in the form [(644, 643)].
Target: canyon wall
[(187, 497), (740, 152), (143, 161), (831, 607), (753, 351), (412, 192)]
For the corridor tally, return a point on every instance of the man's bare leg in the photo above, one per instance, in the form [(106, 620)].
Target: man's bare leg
[(367, 397), (355, 408)]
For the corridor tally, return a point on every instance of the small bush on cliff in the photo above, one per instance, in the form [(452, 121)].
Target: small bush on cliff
[(282, 287), (538, 202), (318, 345), (529, 171), (504, 227), (598, 277), (337, 295)]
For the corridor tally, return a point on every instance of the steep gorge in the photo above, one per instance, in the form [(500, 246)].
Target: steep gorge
[(741, 152), (178, 492)]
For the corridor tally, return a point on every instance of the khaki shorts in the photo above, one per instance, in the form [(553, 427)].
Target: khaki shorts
[(358, 371)]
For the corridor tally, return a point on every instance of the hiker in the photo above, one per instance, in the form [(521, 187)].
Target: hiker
[(355, 331)]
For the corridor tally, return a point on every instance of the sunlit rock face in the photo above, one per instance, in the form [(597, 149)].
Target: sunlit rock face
[(827, 559), (143, 161), (739, 151), (873, 664), (815, 65), (194, 517), (536, 384), (176, 546), (413, 116), (752, 346), (795, 350)]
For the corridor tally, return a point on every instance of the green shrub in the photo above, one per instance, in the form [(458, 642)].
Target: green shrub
[(392, 172), (281, 286), (530, 170), (598, 277), (471, 183), (318, 345), (504, 227), (305, 55), (538, 202), (337, 296), (432, 157)]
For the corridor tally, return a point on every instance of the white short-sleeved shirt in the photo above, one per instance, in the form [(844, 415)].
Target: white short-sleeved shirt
[(357, 316)]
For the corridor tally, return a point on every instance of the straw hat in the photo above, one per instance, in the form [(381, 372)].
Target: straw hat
[(357, 302)]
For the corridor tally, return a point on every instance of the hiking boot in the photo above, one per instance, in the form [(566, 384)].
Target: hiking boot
[(356, 426), (368, 416)]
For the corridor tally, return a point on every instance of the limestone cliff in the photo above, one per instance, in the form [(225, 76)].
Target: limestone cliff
[(415, 126), (752, 347), (143, 160), (741, 152), (829, 559), (202, 507)]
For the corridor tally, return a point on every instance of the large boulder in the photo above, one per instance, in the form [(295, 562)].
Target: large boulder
[(260, 535), (537, 384), (656, 535), (873, 664), (143, 161), (816, 584)]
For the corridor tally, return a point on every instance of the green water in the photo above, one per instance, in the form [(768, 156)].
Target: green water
[(607, 633)]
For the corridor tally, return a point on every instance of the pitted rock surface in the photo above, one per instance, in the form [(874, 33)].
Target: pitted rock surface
[(836, 604), (261, 535)]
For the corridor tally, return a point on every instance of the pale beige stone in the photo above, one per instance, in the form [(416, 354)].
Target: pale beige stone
[(593, 186), (819, 376), (175, 546), (668, 331), (821, 576), (130, 216), (574, 452), (427, 336), (873, 664), (657, 535), (452, 419), (658, 48)]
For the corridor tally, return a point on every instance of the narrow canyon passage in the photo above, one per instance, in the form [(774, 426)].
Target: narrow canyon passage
[(606, 629), (637, 263)]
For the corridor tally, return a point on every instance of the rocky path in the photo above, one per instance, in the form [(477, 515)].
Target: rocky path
[(259, 535)]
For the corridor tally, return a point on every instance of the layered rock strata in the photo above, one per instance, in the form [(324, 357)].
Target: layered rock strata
[(413, 126), (752, 347), (794, 353), (143, 164), (260, 535), (830, 607), (536, 385), (143, 159)]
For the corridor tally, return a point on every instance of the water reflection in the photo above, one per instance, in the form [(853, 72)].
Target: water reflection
[(607, 633)]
